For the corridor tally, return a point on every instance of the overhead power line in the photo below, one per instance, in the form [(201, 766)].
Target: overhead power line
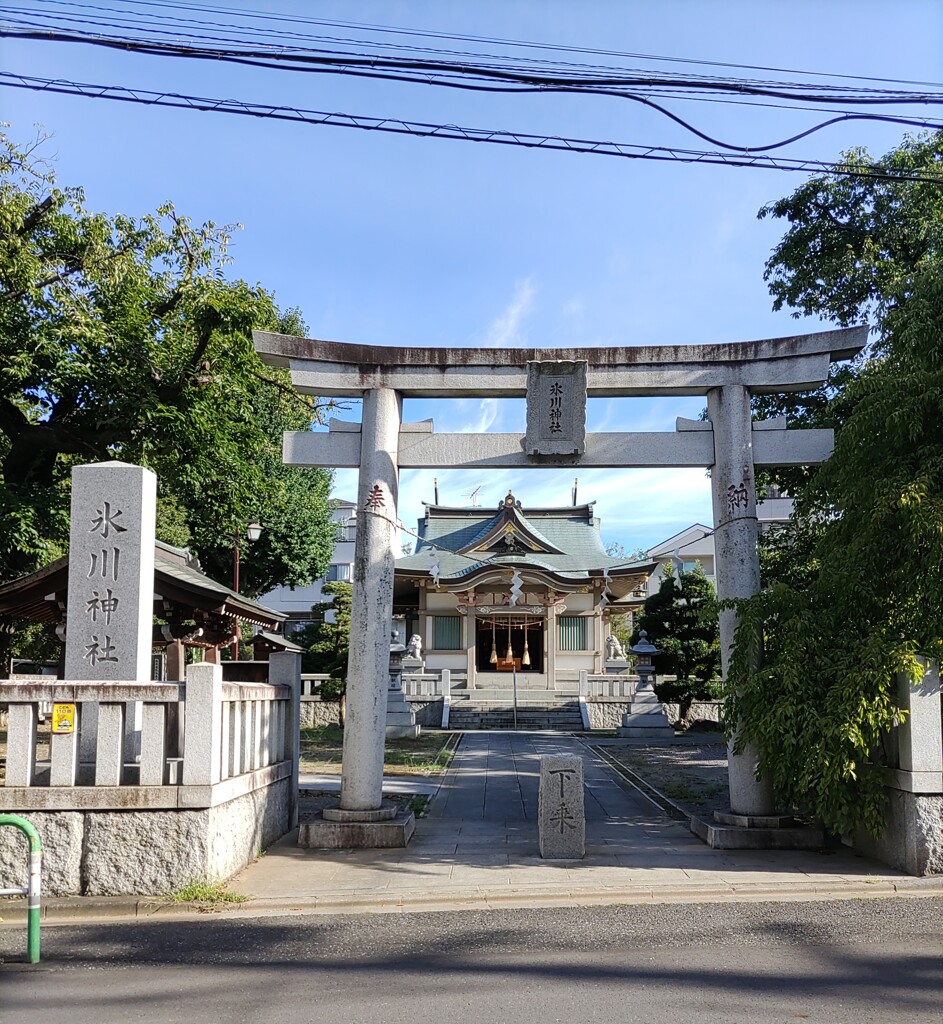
[(478, 78), (631, 151), (146, 6), (499, 68)]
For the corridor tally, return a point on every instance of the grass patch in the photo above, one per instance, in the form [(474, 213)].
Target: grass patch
[(418, 804), (428, 754), (211, 893)]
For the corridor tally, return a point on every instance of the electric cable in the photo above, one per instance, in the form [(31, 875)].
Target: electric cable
[(424, 129), (252, 14), (518, 83)]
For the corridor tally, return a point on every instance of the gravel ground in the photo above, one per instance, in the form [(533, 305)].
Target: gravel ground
[(694, 777), (310, 805)]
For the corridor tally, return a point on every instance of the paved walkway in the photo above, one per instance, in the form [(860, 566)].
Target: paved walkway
[(478, 847)]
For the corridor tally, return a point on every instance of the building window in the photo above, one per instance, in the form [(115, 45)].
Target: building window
[(338, 571), (447, 632), (346, 531), (572, 633)]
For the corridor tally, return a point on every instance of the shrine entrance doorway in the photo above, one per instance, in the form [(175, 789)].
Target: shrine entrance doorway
[(509, 643)]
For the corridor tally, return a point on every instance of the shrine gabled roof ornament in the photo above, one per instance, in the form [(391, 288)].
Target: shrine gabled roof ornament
[(509, 532)]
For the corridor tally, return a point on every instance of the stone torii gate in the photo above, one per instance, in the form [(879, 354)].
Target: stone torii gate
[(556, 383)]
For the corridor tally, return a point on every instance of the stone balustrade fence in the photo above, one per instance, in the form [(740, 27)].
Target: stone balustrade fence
[(598, 684), (141, 744), (428, 684)]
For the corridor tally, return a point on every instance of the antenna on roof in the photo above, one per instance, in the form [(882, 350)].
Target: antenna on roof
[(575, 485), (435, 487), (473, 496)]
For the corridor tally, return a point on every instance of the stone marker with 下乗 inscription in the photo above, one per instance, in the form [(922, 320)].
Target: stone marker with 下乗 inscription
[(561, 815)]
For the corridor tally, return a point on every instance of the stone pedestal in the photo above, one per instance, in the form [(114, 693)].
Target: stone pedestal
[(647, 720), (385, 827), (616, 668), (757, 832), (413, 665), (561, 814), (400, 717)]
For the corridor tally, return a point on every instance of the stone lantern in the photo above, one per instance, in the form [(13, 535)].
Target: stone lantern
[(400, 718), (647, 719), (644, 651)]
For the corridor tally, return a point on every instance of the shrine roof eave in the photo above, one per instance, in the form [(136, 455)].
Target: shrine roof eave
[(331, 368), (629, 576), (26, 597)]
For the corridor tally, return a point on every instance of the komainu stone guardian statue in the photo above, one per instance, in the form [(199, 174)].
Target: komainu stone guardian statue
[(614, 651)]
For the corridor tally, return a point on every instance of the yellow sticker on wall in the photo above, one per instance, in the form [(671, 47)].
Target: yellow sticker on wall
[(63, 718)]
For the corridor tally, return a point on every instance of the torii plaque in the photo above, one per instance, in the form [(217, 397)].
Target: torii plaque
[(556, 408)]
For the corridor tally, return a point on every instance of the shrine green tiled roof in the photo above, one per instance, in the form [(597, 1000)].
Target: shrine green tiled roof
[(573, 531)]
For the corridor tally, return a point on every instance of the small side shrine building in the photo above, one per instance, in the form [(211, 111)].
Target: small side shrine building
[(190, 610), (530, 590)]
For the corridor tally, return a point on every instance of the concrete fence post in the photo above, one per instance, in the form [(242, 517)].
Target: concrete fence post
[(285, 670), (920, 735), (21, 744), (203, 725)]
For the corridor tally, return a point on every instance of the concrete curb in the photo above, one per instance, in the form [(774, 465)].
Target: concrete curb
[(77, 909)]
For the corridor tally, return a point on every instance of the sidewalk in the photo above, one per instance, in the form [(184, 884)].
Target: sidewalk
[(477, 849)]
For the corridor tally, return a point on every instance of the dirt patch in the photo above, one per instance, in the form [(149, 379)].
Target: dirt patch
[(694, 777)]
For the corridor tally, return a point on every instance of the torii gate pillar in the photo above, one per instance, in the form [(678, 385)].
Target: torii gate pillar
[(736, 563), (368, 664)]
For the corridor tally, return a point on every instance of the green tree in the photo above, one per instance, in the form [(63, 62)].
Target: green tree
[(327, 643), (122, 338), (679, 620), (851, 247), (853, 594)]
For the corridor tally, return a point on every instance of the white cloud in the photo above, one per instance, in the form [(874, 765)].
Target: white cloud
[(486, 415), (505, 329)]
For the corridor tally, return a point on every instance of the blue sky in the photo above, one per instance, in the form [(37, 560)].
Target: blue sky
[(402, 241)]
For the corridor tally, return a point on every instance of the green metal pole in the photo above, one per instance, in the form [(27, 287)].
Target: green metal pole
[(33, 886)]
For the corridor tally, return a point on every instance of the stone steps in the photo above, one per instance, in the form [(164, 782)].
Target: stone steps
[(562, 717)]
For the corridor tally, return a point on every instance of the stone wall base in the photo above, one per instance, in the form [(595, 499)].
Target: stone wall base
[(147, 853), (913, 838), (607, 712), (318, 713), (428, 711)]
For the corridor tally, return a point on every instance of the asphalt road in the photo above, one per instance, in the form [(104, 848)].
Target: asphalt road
[(852, 962)]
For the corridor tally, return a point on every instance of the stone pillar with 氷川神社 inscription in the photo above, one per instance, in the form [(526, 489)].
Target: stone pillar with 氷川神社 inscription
[(109, 632)]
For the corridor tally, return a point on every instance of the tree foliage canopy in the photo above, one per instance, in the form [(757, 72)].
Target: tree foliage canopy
[(327, 643), (855, 592), (680, 621), (122, 337)]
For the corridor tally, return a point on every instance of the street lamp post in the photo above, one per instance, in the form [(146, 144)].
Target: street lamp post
[(253, 532)]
